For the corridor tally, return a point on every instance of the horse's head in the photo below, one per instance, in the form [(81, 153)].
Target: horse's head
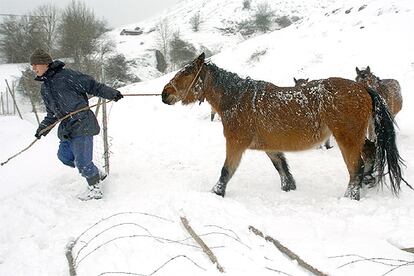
[(300, 82), (184, 86), (366, 77)]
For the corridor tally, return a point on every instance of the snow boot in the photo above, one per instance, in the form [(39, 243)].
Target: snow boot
[(94, 189)]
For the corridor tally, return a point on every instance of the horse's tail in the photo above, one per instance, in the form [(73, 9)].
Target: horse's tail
[(386, 149)]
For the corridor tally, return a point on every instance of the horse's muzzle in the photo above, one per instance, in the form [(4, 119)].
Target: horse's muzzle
[(168, 98)]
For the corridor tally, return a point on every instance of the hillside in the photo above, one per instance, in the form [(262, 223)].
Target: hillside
[(165, 159), (223, 26)]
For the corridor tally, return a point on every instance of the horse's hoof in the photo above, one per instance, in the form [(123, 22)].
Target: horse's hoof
[(353, 193), (369, 181), (288, 186), (219, 189)]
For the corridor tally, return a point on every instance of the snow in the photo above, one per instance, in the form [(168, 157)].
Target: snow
[(165, 159)]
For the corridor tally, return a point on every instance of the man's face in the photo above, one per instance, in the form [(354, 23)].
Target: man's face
[(39, 69)]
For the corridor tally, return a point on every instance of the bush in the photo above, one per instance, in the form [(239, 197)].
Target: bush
[(117, 71), (263, 17), (181, 51), (195, 22), (246, 4), (30, 88), (161, 63)]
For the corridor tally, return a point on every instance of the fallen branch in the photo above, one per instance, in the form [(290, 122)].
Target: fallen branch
[(410, 250), (69, 257), (205, 248), (394, 263), (288, 252)]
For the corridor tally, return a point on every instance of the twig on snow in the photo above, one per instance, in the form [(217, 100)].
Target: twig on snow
[(288, 252), (69, 257), (205, 248), (156, 270)]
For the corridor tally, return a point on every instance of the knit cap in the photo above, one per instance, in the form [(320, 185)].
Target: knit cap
[(40, 56)]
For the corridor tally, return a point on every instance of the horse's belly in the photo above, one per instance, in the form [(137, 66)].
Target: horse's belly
[(290, 140)]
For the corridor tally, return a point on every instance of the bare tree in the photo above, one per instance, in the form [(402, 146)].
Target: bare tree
[(195, 22), (79, 31), (18, 36), (163, 37), (47, 18)]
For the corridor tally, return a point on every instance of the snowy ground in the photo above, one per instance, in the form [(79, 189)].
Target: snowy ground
[(165, 159)]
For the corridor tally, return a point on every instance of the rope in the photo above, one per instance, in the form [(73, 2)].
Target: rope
[(65, 117)]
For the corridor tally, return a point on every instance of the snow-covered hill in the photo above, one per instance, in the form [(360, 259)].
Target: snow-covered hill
[(219, 28), (165, 159)]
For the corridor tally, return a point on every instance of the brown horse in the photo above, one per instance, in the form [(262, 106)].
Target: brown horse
[(389, 89), (304, 82), (300, 82), (261, 116)]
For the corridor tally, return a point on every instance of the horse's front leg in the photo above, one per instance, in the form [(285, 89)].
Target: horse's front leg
[(286, 179), (233, 156)]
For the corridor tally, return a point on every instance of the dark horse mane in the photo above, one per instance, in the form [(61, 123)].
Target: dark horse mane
[(231, 83)]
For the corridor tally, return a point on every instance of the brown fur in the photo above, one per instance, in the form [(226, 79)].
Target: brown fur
[(262, 116), (389, 89)]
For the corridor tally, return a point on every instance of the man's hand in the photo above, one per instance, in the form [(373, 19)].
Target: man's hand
[(118, 96), (38, 133)]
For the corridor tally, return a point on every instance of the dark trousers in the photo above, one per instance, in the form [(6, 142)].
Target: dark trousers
[(77, 152)]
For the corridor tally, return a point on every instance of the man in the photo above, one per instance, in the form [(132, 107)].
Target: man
[(64, 91)]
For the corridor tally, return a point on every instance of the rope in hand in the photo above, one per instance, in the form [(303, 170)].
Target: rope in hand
[(65, 117)]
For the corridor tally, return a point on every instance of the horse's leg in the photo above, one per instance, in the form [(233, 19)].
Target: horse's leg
[(328, 143), (234, 154), (212, 114), (351, 152), (286, 179), (368, 155)]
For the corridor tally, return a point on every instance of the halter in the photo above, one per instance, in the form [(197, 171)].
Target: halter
[(191, 84)]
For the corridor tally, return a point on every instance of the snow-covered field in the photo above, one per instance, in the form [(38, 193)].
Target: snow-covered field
[(165, 159)]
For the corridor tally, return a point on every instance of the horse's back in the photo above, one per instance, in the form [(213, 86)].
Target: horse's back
[(346, 107), (390, 90)]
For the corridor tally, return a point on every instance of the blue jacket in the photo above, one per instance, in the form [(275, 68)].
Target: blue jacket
[(64, 91)]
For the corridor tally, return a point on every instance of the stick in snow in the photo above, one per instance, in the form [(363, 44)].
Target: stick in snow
[(69, 257), (205, 248), (287, 252)]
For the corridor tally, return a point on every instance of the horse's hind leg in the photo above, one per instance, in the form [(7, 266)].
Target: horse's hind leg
[(368, 155), (286, 179), (233, 157), (351, 152)]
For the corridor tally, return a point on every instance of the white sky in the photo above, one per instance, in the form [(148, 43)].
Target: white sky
[(116, 12)]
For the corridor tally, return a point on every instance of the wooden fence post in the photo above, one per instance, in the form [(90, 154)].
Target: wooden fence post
[(2, 104), (14, 100)]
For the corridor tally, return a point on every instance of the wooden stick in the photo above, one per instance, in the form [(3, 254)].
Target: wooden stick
[(52, 126), (288, 252), (69, 257), (205, 248), (140, 94), (410, 250)]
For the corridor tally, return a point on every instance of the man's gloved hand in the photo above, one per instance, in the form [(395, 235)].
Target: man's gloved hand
[(118, 96), (39, 135)]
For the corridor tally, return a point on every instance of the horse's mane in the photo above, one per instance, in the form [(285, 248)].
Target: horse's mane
[(230, 83)]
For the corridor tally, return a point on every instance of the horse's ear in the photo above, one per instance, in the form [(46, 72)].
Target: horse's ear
[(357, 70), (295, 80), (307, 80), (368, 69), (201, 57)]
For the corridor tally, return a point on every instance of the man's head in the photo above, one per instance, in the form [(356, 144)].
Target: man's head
[(40, 60)]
